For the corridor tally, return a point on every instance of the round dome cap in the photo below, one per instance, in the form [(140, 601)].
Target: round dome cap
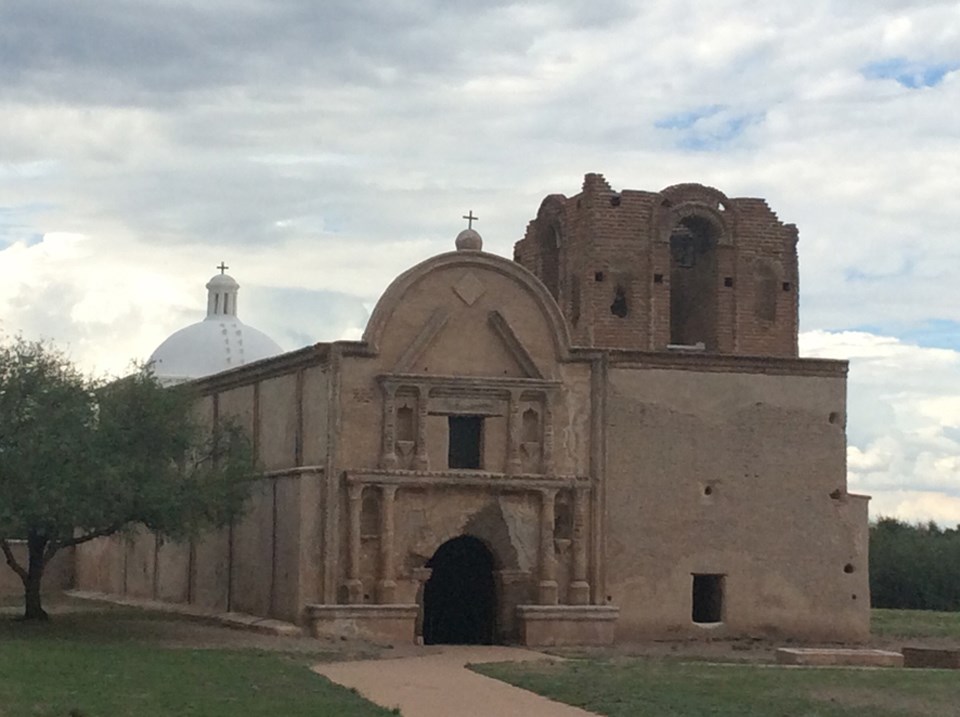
[(469, 240)]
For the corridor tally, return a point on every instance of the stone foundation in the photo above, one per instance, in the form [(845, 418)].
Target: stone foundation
[(555, 625), (378, 623)]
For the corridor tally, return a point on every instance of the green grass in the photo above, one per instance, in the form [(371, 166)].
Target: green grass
[(915, 623), (121, 662), (667, 688)]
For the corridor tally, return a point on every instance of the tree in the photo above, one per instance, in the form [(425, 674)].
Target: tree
[(82, 459)]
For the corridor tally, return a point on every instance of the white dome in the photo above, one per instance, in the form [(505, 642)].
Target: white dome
[(219, 342)]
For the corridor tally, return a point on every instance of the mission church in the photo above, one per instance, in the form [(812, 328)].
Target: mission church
[(609, 436)]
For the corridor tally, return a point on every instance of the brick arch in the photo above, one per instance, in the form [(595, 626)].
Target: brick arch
[(682, 201), (550, 237)]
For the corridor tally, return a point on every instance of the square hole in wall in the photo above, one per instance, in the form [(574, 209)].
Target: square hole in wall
[(466, 442), (786, 286), (598, 276), (728, 281), (707, 598), (658, 278)]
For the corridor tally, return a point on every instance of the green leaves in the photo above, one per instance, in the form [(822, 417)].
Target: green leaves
[(81, 458)]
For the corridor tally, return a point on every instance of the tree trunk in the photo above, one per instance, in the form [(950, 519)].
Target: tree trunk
[(33, 608)]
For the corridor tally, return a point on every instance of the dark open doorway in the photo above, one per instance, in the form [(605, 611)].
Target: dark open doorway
[(459, 599)]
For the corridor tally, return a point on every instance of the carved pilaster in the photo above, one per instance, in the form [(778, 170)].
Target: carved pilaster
[(422, 461), (387, 586), (514, 433), (547, 588), (579, 587), (548, 410), (354, 584), (388, 453)]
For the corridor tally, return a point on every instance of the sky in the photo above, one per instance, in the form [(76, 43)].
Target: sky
[(320, 148)]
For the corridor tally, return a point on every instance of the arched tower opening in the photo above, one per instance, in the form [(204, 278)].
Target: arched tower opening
[(550, 241), (693, 283), (459, 599)]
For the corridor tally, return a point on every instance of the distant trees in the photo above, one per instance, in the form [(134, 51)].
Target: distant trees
[(81, 459), (915, 567)]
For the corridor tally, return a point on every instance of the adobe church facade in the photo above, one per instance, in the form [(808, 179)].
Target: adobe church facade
[(609, 437)]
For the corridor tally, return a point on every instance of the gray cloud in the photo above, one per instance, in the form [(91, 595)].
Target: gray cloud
[(321, 148)]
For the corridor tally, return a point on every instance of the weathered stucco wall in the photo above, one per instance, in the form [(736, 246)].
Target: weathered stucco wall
[(268, 562), (735, 474)]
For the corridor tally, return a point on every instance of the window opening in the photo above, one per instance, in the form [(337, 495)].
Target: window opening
[(619, 306), (693, 283), (707, 598), (466, 442)]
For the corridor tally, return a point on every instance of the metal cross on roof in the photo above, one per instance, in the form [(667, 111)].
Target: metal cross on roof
[(223, 268), (470, 219)]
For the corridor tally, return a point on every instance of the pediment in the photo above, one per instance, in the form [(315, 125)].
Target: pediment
[(469, 343)]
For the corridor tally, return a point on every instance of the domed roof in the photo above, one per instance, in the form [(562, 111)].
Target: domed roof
[(220, 342)]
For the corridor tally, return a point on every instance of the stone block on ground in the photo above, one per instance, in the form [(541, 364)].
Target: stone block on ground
[(838, 657)]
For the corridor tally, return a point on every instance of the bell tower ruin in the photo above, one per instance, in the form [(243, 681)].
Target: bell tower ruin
[(683, 269)]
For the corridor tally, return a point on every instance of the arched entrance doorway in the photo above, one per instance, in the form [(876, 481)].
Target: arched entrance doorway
[(459, 599)]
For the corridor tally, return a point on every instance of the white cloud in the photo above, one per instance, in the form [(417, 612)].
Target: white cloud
[(903, 416), (321, 148)]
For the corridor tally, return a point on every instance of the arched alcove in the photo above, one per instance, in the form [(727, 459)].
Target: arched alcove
[(459, 599), (693, 282)]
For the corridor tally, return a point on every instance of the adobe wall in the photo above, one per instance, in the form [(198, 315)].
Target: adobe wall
[(57, 576), (602, 246), (268, 563), (444, 349), (737, 471)]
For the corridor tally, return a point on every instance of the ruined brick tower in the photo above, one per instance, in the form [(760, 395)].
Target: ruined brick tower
[(686, 268)]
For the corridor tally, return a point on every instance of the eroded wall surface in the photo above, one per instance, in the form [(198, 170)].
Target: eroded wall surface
[(741, 475), (268, 562)]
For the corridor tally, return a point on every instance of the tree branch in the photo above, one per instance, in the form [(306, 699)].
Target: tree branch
[(12, 561), (102, 533)]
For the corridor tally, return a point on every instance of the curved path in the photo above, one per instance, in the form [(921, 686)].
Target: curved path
[(436, 684)]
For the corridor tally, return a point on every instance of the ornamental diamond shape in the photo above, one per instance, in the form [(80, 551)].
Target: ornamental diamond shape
[(469, 288)]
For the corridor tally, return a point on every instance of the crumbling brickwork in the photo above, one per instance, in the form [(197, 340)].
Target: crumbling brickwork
[(683, 267)]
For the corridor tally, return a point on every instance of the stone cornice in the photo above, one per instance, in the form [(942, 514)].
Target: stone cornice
[(726, 363)]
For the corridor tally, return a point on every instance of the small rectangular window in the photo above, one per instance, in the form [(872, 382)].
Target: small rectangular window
[(707, 598), (466, 442)]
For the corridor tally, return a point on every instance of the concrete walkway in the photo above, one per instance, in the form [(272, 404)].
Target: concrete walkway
[(438, 685)]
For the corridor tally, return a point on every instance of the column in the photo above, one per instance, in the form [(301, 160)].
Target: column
[(354, 585), (514, 463), (547, 593), (579, 587), (388, 453), (422, 461), (387, 587)]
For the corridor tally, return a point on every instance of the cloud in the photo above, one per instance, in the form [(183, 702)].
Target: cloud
[(903, 426), (322, 148)]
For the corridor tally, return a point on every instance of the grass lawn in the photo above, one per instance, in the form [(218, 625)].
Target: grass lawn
[(118, 662), (644, 687), (915, 623)]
